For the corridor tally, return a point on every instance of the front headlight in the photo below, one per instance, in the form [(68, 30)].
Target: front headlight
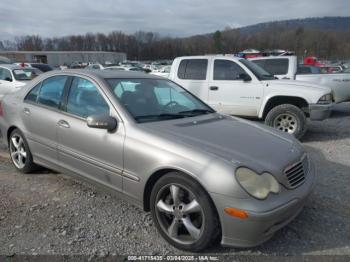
[(257, 185), (326, 99)]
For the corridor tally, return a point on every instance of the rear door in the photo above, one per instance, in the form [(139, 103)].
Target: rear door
[(94, 153), (40, 114), (192, 74), (229, 94)]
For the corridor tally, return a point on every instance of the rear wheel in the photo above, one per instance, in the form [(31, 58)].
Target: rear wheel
[(183, 213), (20, 154), (287, 118)]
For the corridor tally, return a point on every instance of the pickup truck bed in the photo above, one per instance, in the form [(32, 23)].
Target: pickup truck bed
[(339, 83)]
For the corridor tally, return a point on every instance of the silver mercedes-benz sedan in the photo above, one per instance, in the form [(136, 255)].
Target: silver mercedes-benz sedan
[(205, 177)]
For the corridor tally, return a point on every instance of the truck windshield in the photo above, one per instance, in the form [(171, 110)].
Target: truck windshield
[(258, 71), (150, 100)]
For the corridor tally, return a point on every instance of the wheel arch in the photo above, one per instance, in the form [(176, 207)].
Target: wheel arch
[(9, 131), (279, 100), (156, 175)]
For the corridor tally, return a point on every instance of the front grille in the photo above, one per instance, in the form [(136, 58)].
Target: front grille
[(296, 173)]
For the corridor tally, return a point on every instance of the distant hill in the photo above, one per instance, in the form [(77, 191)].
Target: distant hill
[(319, 23)]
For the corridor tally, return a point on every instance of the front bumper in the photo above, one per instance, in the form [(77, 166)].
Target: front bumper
[(260, 226), (319, 111)]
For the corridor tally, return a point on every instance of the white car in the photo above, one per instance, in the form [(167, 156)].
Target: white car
[(13, 77), (125, 68), (163, 72), (237, 86), (286, 67)]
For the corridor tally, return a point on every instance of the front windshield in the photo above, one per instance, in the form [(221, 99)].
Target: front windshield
[(150, 100), (258, 71), (26, 73)]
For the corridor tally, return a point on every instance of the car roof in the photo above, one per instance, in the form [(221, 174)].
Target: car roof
[(231, 57), (109, 73)]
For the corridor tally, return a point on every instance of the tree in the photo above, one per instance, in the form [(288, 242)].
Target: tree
[(217, 42)]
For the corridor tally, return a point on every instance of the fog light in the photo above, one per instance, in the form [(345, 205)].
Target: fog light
[(236, 212)]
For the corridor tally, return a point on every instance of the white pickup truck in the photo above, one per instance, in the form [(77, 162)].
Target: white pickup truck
[(239, 87), (286, 67)]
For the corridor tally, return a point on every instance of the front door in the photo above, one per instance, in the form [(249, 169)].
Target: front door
[(229, 94), (94, 153)]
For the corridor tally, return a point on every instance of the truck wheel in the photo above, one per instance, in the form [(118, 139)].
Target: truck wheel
[(287, 118)]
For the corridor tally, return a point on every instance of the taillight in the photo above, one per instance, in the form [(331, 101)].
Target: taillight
[(1, 110)]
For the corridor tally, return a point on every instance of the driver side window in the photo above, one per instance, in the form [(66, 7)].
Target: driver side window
[(227, 70), (84, 99)]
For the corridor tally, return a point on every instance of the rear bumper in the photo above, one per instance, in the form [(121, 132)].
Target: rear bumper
[(3, 135), (260, 226), (320, 112)]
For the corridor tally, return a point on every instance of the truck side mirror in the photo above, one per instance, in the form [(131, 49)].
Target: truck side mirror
[(245, 77)]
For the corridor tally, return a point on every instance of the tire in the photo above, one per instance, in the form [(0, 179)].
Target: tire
[(287, 118), (20, 154), (167, 214)]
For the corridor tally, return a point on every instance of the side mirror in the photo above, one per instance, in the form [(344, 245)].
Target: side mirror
[(8, 79), (245, 77), (102, 122)]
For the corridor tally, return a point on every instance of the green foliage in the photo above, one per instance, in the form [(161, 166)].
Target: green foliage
[(323, 37)]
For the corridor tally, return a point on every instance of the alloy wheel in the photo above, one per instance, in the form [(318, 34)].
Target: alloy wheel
[(18, 151), (179, 214)]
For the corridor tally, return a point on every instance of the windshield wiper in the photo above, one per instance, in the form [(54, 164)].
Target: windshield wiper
[(197, 111), (160, 116)]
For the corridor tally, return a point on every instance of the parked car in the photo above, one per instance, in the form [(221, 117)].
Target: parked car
[(125, 68), (42, 67), (204, 176), (163, 71), (13, 77), (94, 67), (331, 69), (286, 67), (236, 86)]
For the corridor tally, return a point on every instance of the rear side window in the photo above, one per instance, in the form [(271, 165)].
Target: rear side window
[(33, 94), (193, 69), (227, 70), (302, 70), (260, 63), (276, 66), (5, 75), (51, 91), (305, 70)]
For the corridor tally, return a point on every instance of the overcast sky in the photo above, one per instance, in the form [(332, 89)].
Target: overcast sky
[(168, 17)]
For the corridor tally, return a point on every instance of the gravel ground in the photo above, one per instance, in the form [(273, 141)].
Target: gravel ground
[(47, 213)]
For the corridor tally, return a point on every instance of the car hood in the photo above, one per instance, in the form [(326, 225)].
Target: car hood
[(294, 83), (239, 141)]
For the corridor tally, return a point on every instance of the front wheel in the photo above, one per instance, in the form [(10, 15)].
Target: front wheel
[(183, 213), (287, 118)]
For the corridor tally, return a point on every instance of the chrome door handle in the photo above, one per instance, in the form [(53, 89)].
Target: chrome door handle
[(63, 123), (26, 111)]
